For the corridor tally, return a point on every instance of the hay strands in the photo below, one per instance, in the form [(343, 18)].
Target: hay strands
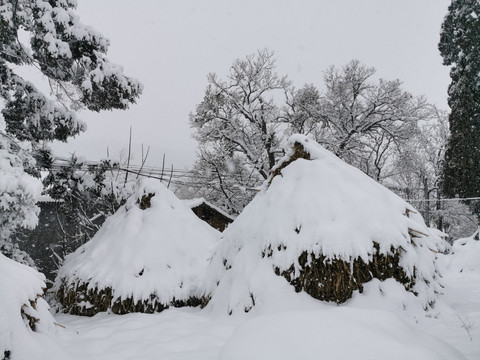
[(415, 233), (408, 211)]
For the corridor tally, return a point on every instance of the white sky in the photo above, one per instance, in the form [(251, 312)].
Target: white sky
[(171, 46)]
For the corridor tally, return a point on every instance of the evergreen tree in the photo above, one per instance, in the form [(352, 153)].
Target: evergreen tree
[(460, 48), (48, 35), (18, 193)]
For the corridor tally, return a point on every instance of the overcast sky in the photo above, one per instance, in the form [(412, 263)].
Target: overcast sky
[(171, 46)]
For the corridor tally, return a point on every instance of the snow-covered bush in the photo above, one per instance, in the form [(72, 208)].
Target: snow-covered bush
[(326, 228), (13, 251), (23, 313), (465, 255), (18, 194), (151, 254)]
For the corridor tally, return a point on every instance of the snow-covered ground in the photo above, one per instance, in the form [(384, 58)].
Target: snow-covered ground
[(370, 326), (163, 251)]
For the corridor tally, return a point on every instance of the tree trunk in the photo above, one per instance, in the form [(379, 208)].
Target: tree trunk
[(426, 206), (439, 211)]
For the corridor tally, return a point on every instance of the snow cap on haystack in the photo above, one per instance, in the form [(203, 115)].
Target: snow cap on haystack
[(151, 254), (326, 228), (23, 312)]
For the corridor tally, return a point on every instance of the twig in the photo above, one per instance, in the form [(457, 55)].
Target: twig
[(129, 154), (163, 167), (144, 159), (465, 326), (170, 180), (410, 231)]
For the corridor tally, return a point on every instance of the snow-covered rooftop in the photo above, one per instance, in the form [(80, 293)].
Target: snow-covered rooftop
[(192, 203)]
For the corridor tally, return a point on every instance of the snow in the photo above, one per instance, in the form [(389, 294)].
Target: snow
[(24, 285), (369, 326), (46, 199), (460, 268), (383, 322), (162, 250), (456, 318), (467, 255), (341, 333), (18, 190), (173, 334), (14, 180), (372, 325)]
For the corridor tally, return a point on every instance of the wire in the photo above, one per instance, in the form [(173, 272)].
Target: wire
[(440, 200), (184, 177)]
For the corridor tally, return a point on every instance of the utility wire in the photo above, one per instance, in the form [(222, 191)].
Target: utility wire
[(443, 199), (183, 177)]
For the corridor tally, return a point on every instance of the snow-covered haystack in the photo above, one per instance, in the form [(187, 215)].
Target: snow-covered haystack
[(23, 312), (151, 254), (327, 229)]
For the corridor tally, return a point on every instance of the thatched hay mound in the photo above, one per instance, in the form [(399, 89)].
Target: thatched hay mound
[(23, 312), (150, 255), (100, 300), (337, 279), (326, 228)]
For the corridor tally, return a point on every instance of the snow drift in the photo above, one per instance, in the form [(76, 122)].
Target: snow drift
[(25, 322), (466, 255), (338, 333), (326, 228), (151, 254)]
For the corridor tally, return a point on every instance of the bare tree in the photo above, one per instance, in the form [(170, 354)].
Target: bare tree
[(224, 182), (419, 169), (243, 122), (239, 129), (363, 121), (240, 116)]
